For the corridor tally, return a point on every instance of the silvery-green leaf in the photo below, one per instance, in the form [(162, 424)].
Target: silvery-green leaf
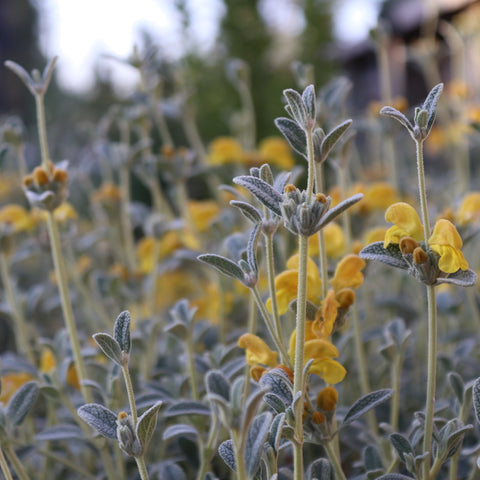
[(266, 173), (391, 255), (340, 208), (100, 418), (401, 445), (320, 469), (297, 107), (264, 192), (310, 102), (251, 408), (331, 139), (168, 470), (187, 408), (225, 450), (182, 312), (281, 180), (180, 430), (430, 104), (121, 331), (274, 402), (249, 211), (454, 441), (294, 135), (223, 265), (257, 436), (252, 248), (399, 116), (146, 425), (60, 432), (371, 459), (366, 403), (276, 429), (48, 71), (22, 74), (462, 278), (109, 347), (277, 383), (178, 329), (21, 402), (457, 384), (217, 384)]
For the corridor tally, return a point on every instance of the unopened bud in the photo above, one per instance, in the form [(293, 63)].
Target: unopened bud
[(407, 245), (419, 256), (289, 188), (320, 197), (60, 176), (327, 399), (40, 176), (318, 417)]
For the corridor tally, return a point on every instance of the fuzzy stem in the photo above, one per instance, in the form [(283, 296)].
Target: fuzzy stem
[(337, 467), (269, 257), (208, 450), (58, 262), (322, 249), (271, 330), (191, 363), (4, 466), (239, 456), (395, 374), (422, 191), (299, 354), (130, 394), (19, 324), (42, 130), (17, 464), (142, 468)]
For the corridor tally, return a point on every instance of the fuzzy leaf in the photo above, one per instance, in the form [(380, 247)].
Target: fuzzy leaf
[(121, 331), (294, 135), (391, 255), (22, 74), (399, 116), (225, 450), (168, 470), (217, 384), (278, 384), (320, 469), (264, 192), (401, 445), (275, 402), (109, 347), (430, 104), (458, 386), (366, 403), (332, 138), (22, 401), (275, 435), (249, 211), (187, 408), (257, 435), (252, 248), (60, 432), (178, 329), (310, 102), (476, 398), (223, 265), (340, 208), (265, 173), (454, 441), (371, 459), (297, 107), (180, 430), (146, 425), (100, 418), (462, 278)]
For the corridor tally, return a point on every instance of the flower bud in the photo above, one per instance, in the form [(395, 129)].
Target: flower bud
[(40, 176), (126, 436), (407, 245), (287, 370), (327, 399), (419, 256), (318, 417)]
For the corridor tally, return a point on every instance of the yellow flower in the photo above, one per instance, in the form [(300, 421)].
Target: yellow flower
[(65, 212), (469, 210), (11, 382), (378, 196), (446, 241), (322, 352), (202, 213), (72, 377), (335, 242), (108, 193), (376, 234), (286, 284), (16, 218), (348, 273), (326, 316), (224, 150), (276, 151), (257, 350), (407, 223), (47, 361)]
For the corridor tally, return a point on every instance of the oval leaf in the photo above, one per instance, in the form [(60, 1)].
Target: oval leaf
[(187, 408), (60, 432), (264, 192), (21, 402), (366, 403), (294, 135), (180, 430), (109, 347), (121, 331), (146, 425), (100, 418), (257, 435), (225, 450), (223, 265), (320, 469), (332, 138)]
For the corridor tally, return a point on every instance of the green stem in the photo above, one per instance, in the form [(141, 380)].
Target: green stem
[(337, 467), (130, 394), (271, 330), (17, 464), (422, 191), (299, 354), (4, 466), (311, 165), (19, 324), (142, 468), (209, 449), (269, 257), (191, 363), (239, 456), (58, 262), (322, 249), (42, 129)]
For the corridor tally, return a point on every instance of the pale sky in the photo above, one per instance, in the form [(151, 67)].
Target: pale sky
[(79, 31)]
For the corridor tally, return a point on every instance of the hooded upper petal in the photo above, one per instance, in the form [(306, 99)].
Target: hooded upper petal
[(406, 223), (257, 350)]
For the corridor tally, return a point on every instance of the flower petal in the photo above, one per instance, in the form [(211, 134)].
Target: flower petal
[(330, 370), (406, 223), (347, 273), (257, 350)]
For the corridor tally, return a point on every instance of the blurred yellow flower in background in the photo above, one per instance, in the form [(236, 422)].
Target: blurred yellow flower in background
[(11, 382), (469, 211), (15, 218), (276, 151), (225, 150), (202, 213), (335, 242)]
